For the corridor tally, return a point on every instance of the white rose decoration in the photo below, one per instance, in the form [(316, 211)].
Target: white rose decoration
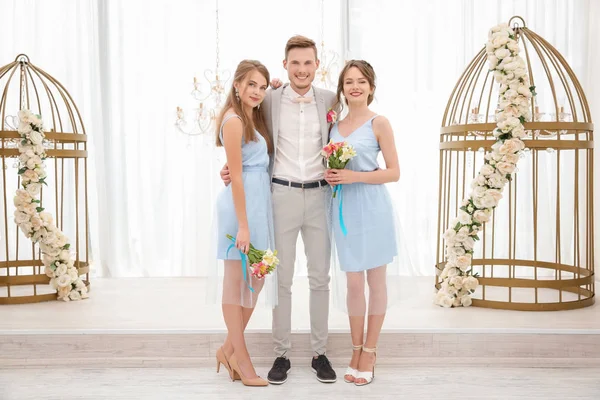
[(34, 189), (36, 137), (505, 168), (464, 218), (487, 169), (470, 283), (463, 262), (481, 216), (63, 281), (466, 301)]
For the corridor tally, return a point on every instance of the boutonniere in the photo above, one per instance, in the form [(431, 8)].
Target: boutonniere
[(331, 116)]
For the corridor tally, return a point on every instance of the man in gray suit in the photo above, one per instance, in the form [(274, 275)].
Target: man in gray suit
[(296, 116)]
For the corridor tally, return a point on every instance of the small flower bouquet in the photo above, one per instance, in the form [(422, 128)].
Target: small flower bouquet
[(262, 262)]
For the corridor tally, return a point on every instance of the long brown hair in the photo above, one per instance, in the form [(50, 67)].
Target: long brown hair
[(258, 117), (366, 69)]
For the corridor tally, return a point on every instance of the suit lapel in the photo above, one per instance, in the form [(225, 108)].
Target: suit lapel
[(322, 111), (275, 114)]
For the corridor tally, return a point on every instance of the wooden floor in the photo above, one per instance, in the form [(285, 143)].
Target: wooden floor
[(179, 305), (409, 383), (156, 338)]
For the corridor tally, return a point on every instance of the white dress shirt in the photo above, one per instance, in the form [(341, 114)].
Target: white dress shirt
[(299, 143)]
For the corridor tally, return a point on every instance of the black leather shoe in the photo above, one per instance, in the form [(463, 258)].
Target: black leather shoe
[(322, 367), (279, 371)]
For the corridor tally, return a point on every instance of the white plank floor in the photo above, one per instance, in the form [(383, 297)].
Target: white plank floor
[(390, 383)]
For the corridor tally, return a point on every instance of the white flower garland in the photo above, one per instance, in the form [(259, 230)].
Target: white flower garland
[(458, 279), (37, 224)]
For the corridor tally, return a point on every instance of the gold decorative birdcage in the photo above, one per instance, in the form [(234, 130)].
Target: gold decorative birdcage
[(537, 251), (26, 86)]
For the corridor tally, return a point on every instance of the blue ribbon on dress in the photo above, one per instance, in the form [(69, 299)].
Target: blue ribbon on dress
[(338, 189), (244, 268)]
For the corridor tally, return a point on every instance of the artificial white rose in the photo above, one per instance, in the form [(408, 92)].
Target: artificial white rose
[(470, 283), (30, 176), (500, 41), (63, 281), (24, 127), (508, 147), (73, 274), (506, 168), (519, 132), (63, 293), (463, 262), (454, 251), (487, 169), (49, 273), (445, 301), (36, 222), (34, 189), (456, 302), (487, 201), (65, 255), (46, 217), (464, 218), (75, 295), (61, 269), (449, 235), (53, 283), (61, 239), (466, 301), (477, 192), (450, 272), (50, 239), (80, 285), (457, 282), (469, 243), (492, 61), (481, 216), (21, 217), (480, 180), (36, 137), (460, 237), (495, 193), (27, 229)]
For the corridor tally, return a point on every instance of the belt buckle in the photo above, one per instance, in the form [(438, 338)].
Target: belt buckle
[(302, 185)]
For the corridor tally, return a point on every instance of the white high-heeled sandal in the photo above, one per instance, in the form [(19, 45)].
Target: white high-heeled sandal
[(351, 371), (368, 376)]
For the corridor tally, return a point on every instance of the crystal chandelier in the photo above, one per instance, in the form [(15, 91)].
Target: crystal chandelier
[(329, 66), (209, 101)]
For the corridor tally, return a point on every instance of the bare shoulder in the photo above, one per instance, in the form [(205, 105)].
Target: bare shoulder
[(381, 124), (233, 123)]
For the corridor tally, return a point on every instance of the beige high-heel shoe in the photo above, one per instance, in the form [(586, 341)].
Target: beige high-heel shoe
[(222, 359), (258, 381), (350, 375), (368, 376)]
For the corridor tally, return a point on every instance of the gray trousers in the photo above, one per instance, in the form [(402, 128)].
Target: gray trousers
[(302, 211)]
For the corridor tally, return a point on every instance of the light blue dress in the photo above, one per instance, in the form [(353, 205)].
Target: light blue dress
[(366, 209), (257, 189)]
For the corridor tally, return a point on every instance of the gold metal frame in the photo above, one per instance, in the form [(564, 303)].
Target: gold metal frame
[(42, 94), (460, 141)]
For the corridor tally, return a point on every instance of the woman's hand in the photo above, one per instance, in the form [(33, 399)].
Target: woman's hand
[(340, 176), (242, 240)]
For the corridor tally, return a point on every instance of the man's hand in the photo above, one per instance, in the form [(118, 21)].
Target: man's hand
[(225, 175), (276, 83)]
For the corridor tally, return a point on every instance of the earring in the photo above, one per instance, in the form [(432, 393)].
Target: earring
[(258, 107), (237, 95)]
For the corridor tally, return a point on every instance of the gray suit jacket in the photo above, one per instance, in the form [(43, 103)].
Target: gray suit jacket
[(272, 109)]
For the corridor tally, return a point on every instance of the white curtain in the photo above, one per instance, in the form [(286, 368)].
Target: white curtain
[(129, 64), (419, 50)]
